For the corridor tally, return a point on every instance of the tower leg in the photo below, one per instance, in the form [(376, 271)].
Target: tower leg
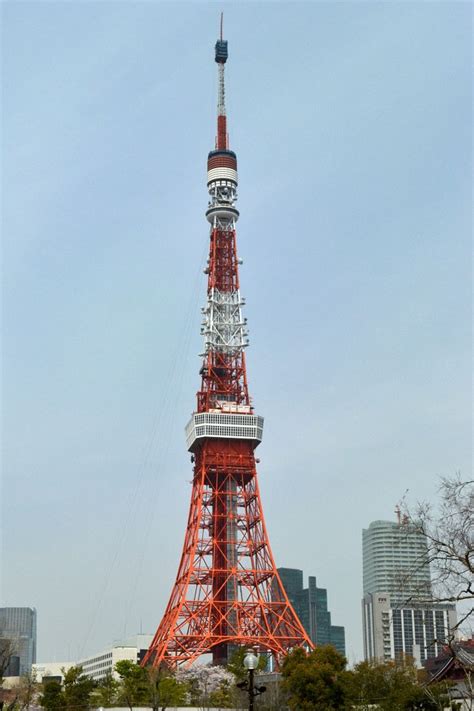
[(227, 593)]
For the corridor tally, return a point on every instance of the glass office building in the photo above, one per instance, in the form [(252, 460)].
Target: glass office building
[(18, 625), (311, 606)]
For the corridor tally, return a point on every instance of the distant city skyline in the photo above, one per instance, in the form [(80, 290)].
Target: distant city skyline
[(353, 124)]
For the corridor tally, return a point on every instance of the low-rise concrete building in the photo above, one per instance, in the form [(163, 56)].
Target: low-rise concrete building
[(50, 671), (99, 665)]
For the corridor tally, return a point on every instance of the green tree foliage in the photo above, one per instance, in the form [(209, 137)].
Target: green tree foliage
[(106, 692), (171, 693), (371, 683), (393, 687), (52, 698), (319, 680), (77, 689), (223, 697), (164, 690), (145, 686), (73, 695), (315, 680), (134, 688)]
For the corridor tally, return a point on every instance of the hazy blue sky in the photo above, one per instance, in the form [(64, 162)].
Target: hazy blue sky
[(352, 126)]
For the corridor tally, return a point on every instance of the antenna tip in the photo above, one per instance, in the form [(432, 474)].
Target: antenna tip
[(221, 45)]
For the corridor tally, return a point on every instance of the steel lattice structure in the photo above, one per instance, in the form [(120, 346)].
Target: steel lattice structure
[(227, 591)]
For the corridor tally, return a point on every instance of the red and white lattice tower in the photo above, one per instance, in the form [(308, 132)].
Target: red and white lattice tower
[(227, 591)]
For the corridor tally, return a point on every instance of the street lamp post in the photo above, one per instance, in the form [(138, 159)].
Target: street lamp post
[(251, 663)]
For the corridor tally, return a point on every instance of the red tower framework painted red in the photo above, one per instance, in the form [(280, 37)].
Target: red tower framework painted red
[(227, 591)]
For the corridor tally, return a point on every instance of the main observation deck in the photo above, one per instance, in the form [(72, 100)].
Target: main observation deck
[(227, 424)]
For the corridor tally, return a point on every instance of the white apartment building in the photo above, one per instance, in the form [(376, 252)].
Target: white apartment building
[(395, 560)]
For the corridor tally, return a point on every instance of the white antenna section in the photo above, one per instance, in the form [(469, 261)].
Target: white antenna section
[(223, 327), (220, 91)]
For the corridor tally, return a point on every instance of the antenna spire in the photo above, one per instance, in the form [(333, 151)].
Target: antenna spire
[(221, 58)]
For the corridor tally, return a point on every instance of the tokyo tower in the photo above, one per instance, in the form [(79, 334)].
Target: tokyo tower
[(227, 591)]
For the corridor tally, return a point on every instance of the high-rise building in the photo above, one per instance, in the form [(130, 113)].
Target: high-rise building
[(395, 560), (399, 615), (311, 606), (18, 624)]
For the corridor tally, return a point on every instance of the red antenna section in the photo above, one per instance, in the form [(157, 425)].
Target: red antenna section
[(227, 591)]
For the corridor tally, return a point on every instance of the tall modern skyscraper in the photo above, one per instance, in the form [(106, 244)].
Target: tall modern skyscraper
[(18, 624), (311, 606), (399, 616), (395, 560)]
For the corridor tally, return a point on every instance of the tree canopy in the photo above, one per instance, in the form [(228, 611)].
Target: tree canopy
[(315, 680), (134, 684), (393, 687), (320, 680), (73, 695)]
